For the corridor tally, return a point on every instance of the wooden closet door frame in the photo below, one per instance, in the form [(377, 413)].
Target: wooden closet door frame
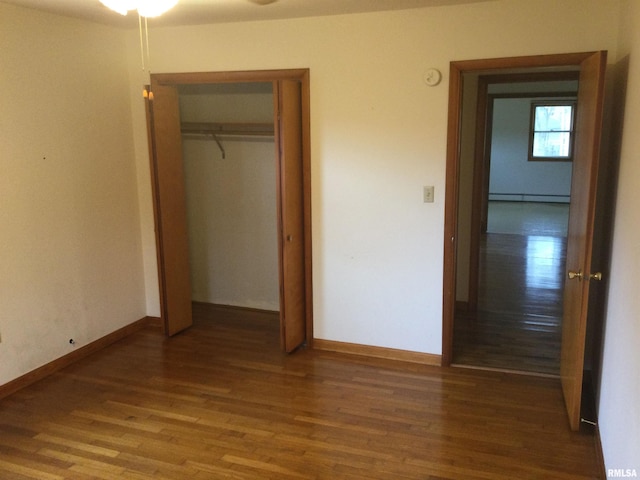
[(300, 75)]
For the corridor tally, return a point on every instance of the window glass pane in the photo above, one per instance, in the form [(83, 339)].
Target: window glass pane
[(551, 144), (553, 117)]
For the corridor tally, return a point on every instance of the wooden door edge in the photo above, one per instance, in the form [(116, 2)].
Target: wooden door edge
[(481, 162), (306, 200), (155, 200), (451, 211)]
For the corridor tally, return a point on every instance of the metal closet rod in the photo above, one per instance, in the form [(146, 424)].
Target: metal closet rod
[(213, 130), (258, 129)]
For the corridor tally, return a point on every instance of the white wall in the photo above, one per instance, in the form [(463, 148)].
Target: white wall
[(513, 177), (619, 411), (231, 201), (70, 250), (69, 236), (378, 135)]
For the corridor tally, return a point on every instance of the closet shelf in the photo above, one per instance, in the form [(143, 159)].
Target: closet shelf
[(242, 129)]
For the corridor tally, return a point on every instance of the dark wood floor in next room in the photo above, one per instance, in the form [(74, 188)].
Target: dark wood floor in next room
[(220, 401), (518, 321)]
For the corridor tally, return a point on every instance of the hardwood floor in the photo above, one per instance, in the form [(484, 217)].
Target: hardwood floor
[(220, 401), (518, 322), (528, 218)]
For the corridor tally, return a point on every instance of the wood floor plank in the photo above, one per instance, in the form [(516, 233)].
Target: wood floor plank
[(220, 401), (88, 434), (66, 442), (10, 468)]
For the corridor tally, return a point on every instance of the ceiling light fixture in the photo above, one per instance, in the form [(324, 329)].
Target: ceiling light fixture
[(146, 8)]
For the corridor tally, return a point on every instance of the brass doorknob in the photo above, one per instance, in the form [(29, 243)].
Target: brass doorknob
[(595, 276), (573, 275)]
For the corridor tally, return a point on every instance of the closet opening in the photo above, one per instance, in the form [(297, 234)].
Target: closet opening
[(231, 186), (229, 163)]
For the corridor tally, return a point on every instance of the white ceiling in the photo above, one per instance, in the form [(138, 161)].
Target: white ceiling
[(193, 12)]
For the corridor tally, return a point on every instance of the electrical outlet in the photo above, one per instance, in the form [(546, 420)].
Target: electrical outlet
[(428, 194)]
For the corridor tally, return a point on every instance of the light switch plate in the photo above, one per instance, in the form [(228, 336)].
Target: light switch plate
[(428, 194)]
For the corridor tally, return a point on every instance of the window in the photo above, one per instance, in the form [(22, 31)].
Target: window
[(552, 131)]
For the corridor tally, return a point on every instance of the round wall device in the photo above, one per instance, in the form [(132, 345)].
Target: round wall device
[(432, 77)]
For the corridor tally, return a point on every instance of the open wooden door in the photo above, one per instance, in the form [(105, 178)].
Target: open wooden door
[(580, 234), (170, 208), (288, 139)]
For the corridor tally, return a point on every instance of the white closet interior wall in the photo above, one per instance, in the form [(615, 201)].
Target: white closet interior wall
[(231, 202)]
